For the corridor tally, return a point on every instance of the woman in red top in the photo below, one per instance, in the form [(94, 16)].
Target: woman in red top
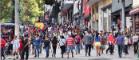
[(3, 44), (20, 47), (111, 42)]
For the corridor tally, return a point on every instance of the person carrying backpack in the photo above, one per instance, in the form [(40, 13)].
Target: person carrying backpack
[(78, 43)]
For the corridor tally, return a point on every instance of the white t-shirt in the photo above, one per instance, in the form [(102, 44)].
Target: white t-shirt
[(69, 32), (62, 42), (126, 40), (15, 44), (135, 38)]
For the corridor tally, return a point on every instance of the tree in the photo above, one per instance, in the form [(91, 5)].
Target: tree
[(6, 9), (28, 10)]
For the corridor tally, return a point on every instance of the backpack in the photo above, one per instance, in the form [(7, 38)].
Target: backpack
[(77, 40)]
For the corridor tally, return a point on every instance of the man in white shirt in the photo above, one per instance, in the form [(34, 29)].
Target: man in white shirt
[(62, 42), (135, 39), (126, 40), (16, 44)]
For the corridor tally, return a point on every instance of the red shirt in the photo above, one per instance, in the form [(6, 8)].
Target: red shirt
[(2, 43), (70, 41), (21, 45), (111, 39), (78, 38)]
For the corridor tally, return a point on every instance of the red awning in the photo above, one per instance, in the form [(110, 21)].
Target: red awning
[(134, 11)]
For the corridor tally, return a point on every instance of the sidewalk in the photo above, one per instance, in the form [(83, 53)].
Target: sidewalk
[(82, 56)]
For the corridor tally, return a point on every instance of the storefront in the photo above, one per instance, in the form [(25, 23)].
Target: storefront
[(135, 16), (120, 23)]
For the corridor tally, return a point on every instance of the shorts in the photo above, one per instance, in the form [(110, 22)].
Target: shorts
[(97, 44), (70, 48), (102, 46)]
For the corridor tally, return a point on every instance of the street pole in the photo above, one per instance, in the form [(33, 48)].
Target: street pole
[(17, 18), (81, 14), (123, 16)]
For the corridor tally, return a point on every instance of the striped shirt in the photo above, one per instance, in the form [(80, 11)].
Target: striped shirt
[(70, 41)]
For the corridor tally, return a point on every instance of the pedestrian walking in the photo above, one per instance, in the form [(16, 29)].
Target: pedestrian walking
[(78, 43), (120, 44), (54, 45), (135, 39), (47, 46), (2, 44), (111, 42), (62, 42), (87, 40), (21, 46), (97, 43), (26, 46), (37, 44), (16, 44), (126, 41), (103, 41), (70, 45)]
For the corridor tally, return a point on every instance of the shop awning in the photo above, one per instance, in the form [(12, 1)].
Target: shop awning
[(134, 11)]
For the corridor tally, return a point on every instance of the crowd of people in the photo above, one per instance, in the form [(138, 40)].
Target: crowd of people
[(69, 39)]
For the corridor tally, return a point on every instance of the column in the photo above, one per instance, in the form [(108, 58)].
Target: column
[(100, 20), (123, 16), (17, 18)]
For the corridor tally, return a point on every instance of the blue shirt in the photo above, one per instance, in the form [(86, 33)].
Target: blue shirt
[(88, 39), (97, 39), (120, 40), (37, 41)]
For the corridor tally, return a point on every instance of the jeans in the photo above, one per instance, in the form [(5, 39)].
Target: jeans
[(77, 48), (120, 50), (87, 49), (47, 51), (70, 48), (37, 50)]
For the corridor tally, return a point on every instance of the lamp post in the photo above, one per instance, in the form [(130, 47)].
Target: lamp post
[(17, 18), (123, 15), (81, 14)]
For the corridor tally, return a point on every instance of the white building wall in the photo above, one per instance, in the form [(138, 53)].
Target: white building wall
[(100, 21)]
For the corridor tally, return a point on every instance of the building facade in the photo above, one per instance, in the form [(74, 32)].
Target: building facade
[(135, 16), (118, 17), (101, 15)]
